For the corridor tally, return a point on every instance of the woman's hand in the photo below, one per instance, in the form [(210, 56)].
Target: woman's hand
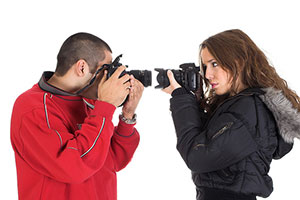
[(173, 83)]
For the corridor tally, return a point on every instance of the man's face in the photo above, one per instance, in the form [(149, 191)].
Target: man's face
[(92, 91)]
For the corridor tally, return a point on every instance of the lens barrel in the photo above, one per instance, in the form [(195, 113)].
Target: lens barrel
[(144, 76)]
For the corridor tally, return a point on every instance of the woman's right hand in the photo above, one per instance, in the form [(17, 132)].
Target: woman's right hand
[(173, 83)]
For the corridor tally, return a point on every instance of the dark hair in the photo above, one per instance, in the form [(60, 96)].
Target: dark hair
[(80, 46), (237, 54)]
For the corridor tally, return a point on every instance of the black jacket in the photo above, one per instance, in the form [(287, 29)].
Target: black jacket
[(233, 148)]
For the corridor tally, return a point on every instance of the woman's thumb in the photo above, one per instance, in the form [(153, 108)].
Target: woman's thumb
[(170, 76)]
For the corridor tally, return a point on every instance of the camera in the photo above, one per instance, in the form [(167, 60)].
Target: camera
[(144, 76), (188, 77)]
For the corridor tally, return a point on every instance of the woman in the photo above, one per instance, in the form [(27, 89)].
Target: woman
[(248, 116)]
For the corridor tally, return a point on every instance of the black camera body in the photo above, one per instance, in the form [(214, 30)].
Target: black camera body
[(188, 77), (144, 76)]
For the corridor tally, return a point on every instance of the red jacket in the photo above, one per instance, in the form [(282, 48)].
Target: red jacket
[(66, 147)]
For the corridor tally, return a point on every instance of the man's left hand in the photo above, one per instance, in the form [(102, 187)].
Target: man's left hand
[(134, 97)]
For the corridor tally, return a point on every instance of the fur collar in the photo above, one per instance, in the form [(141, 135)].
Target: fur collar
[(287, 117)]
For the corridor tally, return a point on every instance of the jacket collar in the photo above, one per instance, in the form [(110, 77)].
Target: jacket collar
[(287, 117), (252, 91), (44, 85)]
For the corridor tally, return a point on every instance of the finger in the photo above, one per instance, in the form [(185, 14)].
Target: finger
[(132, 91), (139, 88), (127, 91), (125, 78), (132, 80), (127, 85), (131, 94), (138, 84), (171, 76), (118, 71), (104, 77), (172, 80), (132, 86)]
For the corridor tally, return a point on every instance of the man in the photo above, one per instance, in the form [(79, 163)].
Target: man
[(66, 146)]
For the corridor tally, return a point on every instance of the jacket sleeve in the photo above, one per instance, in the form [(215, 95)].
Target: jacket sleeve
[(43, 141), (124, 142), (223, 142), (282, 149)]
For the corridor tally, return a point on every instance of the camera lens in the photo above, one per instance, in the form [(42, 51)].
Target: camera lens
[(163, 80), (188, 76), (144, 76)]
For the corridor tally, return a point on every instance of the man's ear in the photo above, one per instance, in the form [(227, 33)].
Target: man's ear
[(81, 68)]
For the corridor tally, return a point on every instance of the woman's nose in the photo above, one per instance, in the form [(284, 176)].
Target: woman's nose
[(208, 73)]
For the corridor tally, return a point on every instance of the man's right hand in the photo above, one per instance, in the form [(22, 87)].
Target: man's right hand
[(115, 89)]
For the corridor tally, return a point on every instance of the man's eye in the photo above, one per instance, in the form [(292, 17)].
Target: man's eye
[(214, 64)]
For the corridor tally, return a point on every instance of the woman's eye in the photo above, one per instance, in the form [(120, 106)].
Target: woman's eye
[(214, 64)]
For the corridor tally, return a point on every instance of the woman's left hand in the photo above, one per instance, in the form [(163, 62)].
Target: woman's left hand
[(173, 83)]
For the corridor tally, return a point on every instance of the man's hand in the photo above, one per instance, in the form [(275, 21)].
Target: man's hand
[(115, 89), (173, 83), (134, 97)]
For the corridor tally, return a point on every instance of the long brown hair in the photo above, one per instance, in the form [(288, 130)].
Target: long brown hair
[(236, 53)]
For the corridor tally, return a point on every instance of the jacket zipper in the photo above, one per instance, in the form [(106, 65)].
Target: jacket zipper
[(228, 125), (222, 130)]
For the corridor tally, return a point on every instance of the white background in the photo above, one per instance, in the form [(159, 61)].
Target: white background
[(150, 34)]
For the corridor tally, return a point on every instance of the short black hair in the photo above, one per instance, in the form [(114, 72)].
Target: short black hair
[(80, 46)]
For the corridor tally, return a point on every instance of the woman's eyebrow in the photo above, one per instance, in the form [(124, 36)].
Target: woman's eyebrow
[(211, 60)]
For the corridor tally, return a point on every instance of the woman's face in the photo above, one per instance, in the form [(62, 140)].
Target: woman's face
[(219, 79)]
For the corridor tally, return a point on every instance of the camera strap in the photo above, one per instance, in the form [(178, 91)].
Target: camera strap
[(92, 80), (114, 63)]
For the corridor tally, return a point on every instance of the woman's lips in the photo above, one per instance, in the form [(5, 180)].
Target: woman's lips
[(213, 85)]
